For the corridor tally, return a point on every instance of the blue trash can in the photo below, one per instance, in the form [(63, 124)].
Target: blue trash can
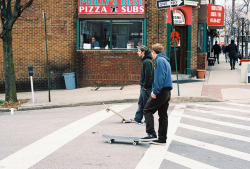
[(70, 80)]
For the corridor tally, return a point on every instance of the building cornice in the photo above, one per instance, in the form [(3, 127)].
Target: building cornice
[(191, 3)]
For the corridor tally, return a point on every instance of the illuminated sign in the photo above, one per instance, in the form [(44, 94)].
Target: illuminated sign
[(215, 14), (179, 18), (111, 6)]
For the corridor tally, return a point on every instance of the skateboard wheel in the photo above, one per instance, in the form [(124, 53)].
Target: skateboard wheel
[(135, 143), (111, 141)]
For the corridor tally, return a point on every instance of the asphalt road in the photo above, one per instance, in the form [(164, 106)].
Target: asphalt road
[(201, 135)]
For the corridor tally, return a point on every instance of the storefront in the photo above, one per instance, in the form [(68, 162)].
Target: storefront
[(211, 18), (115, 29), (184, 35)]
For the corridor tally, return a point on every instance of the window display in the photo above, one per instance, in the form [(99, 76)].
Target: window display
[(110, 34)]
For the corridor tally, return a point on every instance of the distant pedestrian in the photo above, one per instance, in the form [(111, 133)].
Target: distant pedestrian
[(232, 49), (226, 52), (216, 49), (146, 81), (160, 97)]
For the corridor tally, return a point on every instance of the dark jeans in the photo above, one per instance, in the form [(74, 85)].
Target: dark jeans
[(143, 98), (217, 55), (161, 104), (232, 62)]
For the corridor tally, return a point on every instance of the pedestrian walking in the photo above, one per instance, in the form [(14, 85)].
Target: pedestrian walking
[(216, 49), (146, 81), (232, 49), (226, 52), (160, 97)]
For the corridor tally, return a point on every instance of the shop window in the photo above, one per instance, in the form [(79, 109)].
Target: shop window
[(126, 34), (200, 38)]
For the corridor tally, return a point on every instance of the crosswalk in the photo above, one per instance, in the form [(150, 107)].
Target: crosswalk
[(207, 136), (200, 136)]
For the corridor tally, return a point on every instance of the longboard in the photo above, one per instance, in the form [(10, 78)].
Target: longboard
[(112, 139), (123, 119)]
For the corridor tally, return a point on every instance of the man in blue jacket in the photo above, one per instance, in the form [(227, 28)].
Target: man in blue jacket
[(160, 97)]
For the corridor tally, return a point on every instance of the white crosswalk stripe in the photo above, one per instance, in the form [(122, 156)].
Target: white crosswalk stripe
[(215, 148), (217, 122), (213, 132), (32, 154), (219, 114), (214, 111), (221, 108), (187, 162)]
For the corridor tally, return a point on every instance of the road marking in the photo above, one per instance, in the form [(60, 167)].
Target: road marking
[(217, 122), (187, 162), (155, 154), (237, 104), (219, 114), (215, 148), (221, 108), (30, 155), (213, 132)]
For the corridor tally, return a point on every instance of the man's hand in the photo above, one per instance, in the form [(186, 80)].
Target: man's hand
[(153, 95)]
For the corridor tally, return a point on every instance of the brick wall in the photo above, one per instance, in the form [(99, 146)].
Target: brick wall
[(29, 44), (202, 61), (91, 67), (194, 41), (105, 68)]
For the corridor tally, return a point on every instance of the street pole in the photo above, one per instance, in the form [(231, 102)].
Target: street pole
[(242, 33), (30, 69), (246, 40), (233, 10), (44, 17), (176, 67), (32, 89)]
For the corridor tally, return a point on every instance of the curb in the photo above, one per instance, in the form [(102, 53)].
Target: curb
[(173, 100)]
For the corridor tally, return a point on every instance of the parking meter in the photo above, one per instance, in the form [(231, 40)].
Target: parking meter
[(30, 68)]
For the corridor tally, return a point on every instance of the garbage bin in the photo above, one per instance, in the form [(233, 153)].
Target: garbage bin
[(70, 80)]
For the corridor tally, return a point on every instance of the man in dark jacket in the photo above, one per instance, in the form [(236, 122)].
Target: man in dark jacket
[(232, 49), (216, 49), (160, 97), (146, 81)]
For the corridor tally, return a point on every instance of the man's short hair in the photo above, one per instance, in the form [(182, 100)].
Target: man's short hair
[(158, 48), (143, 48)]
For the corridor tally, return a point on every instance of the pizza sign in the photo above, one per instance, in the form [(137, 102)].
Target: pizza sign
[(111, 6)]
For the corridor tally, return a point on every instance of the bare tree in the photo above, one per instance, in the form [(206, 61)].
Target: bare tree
[(9, 16)]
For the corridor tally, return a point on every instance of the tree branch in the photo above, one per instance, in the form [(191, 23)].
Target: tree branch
[(26, 5)]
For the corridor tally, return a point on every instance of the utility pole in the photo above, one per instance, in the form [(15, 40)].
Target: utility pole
[(233, 6), (242, 33), (225, 8)]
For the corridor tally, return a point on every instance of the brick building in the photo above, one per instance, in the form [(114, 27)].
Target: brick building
[(115, 61)]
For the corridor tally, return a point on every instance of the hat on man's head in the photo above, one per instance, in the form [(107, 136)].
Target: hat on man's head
[(143, 48)]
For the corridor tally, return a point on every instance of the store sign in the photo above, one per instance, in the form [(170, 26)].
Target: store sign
[(215, 15), (111, 6), (179, 18)]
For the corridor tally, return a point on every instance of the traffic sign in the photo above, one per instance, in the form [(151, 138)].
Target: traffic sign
[(162, 4)]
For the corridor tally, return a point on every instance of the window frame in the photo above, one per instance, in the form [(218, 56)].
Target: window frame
[(204, 46), (144, 25)]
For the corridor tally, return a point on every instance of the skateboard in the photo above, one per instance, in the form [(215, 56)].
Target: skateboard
[(123, 119), (112, 139)]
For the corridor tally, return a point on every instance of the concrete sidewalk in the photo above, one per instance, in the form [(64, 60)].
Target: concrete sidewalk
[(221, 84)]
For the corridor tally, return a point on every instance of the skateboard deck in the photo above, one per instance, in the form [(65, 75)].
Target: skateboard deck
[(112, 139), (123, 119)]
